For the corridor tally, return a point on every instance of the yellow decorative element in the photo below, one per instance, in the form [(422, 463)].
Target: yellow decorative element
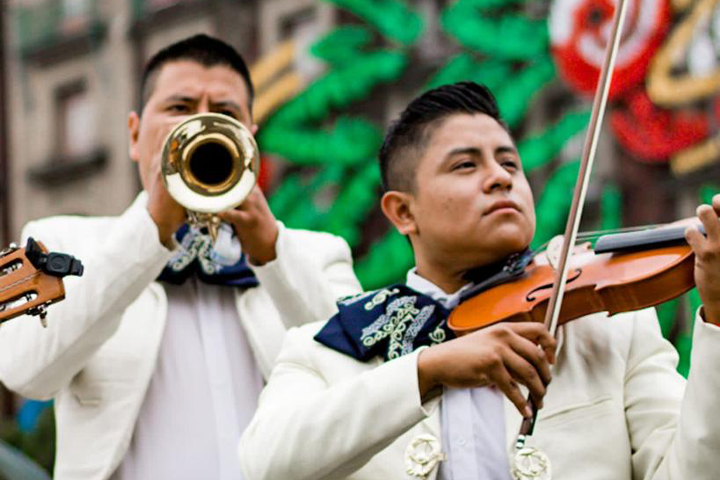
[(270, 65), (665, 88), (696, 157), (276, 94), (275, 79), (680, 5), (422, 455)]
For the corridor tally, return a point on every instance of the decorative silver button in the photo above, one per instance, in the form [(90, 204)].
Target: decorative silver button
[(422, 455), (531, 464)]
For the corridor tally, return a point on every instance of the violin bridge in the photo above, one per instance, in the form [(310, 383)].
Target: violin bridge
[(554, 250)]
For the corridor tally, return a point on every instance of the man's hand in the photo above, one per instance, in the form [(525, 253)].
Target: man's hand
[(256, 227), (504, 355), (167, 214), (707, 258)]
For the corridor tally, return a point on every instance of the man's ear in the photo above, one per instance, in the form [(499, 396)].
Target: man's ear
[(397, 207), (133, 135), (254, 129)]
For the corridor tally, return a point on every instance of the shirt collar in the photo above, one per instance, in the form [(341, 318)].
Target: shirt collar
[(426, 287)]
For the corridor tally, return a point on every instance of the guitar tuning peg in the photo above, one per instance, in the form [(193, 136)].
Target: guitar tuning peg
[(42, 312), (10, 249)]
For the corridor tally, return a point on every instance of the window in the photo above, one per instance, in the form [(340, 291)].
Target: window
[(298, 24), (75, 15), (75, 121)]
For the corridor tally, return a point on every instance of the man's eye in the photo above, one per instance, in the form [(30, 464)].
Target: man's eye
[(229, 113), (510, 164), (465, 164), (180, 108)]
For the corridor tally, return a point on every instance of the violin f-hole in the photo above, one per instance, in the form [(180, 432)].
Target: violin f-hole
[(530, 297)]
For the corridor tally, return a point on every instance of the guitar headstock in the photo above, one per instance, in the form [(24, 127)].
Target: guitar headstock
[(31, 279)]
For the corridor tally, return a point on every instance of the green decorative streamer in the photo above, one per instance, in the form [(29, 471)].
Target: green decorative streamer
[(510, 36), (341, 87), (537, 151), (339, 46), (515, 96), (707, 192), (349, 142), (468, 67), (554, 203), (611, 208), (683, 343), (356, 199), (388, 261), (300, 131), (295, 200), (394, 19), (667, 313)]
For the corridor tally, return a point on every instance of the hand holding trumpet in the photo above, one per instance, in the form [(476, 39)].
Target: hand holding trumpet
[(208, 173)]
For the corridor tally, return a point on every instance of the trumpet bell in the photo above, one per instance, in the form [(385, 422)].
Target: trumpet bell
[(210, 163)]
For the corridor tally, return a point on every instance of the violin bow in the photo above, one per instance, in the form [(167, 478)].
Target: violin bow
[(573, 222)]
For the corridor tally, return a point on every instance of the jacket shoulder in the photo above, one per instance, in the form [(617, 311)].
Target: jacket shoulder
[(315, 237), (63, 230)]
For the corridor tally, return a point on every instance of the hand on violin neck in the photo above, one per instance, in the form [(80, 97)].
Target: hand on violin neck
[(707, 258), (504, 355)]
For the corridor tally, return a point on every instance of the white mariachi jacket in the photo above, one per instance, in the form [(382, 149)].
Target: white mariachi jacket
[(615, 409), (98, 353)]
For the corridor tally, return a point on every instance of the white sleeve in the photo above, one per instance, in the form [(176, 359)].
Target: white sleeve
[(312, 270), (37, 362), (305, 428)]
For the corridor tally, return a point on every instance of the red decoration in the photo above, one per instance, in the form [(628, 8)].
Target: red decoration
[(653, 134), (267, 168), (579, 30)]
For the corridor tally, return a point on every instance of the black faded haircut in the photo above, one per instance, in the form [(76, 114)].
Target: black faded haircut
[(202, 49), (408, 136)]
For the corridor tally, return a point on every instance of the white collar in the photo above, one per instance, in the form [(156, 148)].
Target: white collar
[(426, 287)]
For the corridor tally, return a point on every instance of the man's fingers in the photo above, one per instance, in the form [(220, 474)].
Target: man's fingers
[(535, 357), (538, 334), (716, 203), (511, 390), (709, 218), (525, 373)]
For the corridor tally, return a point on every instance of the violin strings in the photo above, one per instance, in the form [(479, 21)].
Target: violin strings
[(595, 234)]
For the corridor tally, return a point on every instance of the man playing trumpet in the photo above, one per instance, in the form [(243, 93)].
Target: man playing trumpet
[(157, 358)]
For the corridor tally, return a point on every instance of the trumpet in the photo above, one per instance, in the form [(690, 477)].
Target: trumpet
[(210, 163)]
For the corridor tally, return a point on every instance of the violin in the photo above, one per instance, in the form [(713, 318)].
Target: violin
[(624, 272)]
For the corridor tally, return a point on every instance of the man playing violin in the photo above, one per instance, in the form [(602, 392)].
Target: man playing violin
[(385, 391), (156, 359)]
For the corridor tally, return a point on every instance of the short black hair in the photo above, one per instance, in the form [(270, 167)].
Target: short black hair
[(203, 49), (409, 134)]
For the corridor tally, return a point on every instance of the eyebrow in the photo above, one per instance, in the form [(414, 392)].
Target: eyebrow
[(476, 151), (186, 99), (227, 104)]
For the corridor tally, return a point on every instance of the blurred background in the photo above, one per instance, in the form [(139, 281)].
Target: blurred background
[(330, 76)]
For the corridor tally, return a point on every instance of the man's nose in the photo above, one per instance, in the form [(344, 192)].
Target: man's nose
[(497, 177), (203, 106)]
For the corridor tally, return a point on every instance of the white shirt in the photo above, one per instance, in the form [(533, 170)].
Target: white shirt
[(202, 395), (472, 419)]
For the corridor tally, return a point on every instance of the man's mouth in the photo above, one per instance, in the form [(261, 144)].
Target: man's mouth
[(502, 206)]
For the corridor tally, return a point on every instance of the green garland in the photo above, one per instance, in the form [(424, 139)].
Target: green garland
[(554, 203), (394, 19), (537, 151), (343, 187), (475, 24)]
